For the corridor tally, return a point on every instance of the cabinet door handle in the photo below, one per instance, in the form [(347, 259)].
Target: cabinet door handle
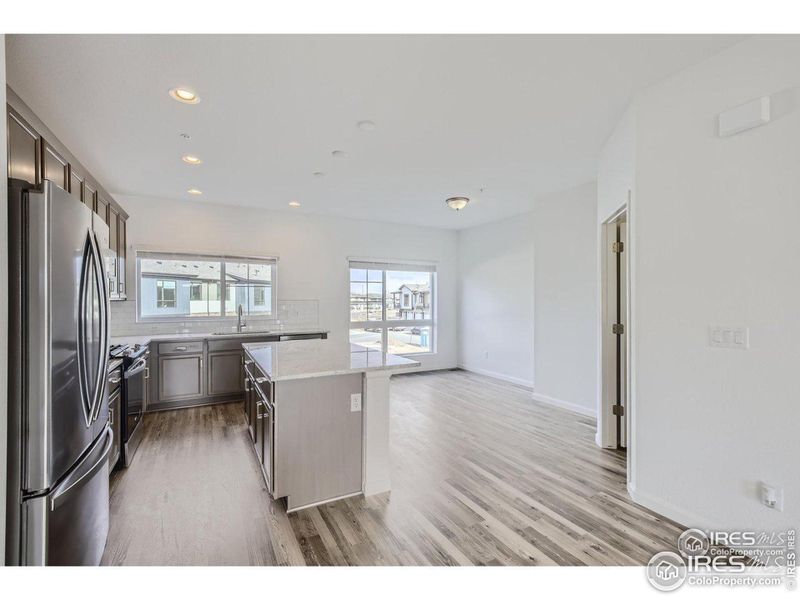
[(248, 361), (260, 380), (115, 380), (180, 348), (147, 372), (110, 416), (246, 384)]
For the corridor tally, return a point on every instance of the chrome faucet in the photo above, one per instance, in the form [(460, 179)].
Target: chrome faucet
[(240, 324)]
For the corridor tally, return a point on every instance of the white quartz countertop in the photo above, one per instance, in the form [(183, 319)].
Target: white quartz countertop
[(282, 361), (146, 338)]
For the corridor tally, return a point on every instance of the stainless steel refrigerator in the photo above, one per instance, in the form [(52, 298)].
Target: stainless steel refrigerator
[(58, 434)]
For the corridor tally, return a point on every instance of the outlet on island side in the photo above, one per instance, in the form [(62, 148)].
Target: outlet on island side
[(355, 402)]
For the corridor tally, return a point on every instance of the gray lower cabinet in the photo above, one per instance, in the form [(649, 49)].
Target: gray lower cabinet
[(180, 377), (203, 370), (225, 376)]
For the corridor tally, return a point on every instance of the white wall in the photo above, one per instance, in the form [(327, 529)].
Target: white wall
[(718, 242), (496, 272), (528, 296), (313, 253), (616, 166), (3, 305), (565, 341)]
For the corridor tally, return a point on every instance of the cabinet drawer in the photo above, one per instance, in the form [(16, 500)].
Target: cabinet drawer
[(180, 347)]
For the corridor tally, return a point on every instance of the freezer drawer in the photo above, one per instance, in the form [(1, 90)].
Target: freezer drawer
[(69, 526)]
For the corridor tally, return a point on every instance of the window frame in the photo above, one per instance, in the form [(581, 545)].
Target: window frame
[(221, 286), (384, 324)]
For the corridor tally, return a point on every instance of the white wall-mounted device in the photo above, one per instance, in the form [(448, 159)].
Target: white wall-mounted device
[(744, 117)]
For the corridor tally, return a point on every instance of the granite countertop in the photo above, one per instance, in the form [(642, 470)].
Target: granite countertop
[(145, 338), (282, 361)]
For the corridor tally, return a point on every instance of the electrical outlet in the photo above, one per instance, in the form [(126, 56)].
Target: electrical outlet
[(355, 402)]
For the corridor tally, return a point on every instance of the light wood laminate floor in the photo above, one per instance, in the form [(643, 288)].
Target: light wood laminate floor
[(481, 475)]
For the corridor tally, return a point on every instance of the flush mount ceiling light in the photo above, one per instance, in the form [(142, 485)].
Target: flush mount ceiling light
[(184, 95), (194, 191), (366, 125), (339, 154), (191, 160), (294, 204), (457, 202), (319, 174)]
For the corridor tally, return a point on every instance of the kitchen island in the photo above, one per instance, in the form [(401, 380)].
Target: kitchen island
[(318, 414)]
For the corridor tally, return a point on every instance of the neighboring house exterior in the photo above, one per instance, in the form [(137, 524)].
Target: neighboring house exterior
[(413, 301), (173, 292)]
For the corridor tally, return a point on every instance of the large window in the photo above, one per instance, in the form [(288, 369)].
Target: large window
[(391, 307), (180, 286)]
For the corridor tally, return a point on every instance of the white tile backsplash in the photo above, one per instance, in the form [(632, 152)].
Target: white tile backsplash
[(291, 314)]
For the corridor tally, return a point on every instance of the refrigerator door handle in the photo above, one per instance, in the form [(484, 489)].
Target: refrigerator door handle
[(83, 292), (83, 472), (100, 279)]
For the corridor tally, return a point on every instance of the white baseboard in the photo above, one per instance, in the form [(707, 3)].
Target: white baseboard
[(576, 408), (681, 516), (515, 380)]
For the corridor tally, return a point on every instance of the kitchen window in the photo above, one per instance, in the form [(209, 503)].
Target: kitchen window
[(392, 306), (177, 287)]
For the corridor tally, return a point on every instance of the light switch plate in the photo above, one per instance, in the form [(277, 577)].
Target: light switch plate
[(737, 338), (355, 402)]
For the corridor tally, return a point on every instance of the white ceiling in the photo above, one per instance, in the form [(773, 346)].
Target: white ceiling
[(519, 116)]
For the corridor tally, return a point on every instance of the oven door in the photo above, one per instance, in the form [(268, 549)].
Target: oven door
[(133, 407)]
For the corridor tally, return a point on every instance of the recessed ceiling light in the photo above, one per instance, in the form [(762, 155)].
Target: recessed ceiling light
[(294, 204), (457, 203), (184, 95), (191, 160), (185, 136), (339, 154), (194, 191), (319, 174), (366, 125)]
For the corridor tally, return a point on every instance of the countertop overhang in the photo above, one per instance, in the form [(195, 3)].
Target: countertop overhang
[(282, 361)]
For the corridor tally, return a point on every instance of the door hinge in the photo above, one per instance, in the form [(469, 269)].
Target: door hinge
[(617, 247), (618, 410), (618, 329)]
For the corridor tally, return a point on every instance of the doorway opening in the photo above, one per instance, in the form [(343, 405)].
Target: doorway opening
[(614, 416)]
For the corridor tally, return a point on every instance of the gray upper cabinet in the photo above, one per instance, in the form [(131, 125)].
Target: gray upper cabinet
[(180, 377), (225, 375), (23, 149), (35, 154), (55, 166)]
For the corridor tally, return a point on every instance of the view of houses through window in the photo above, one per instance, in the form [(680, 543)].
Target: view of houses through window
[(391, 307), (180, 286)]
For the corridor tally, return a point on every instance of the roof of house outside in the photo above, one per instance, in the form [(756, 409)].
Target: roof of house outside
[(201, 271), (416, 287)]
